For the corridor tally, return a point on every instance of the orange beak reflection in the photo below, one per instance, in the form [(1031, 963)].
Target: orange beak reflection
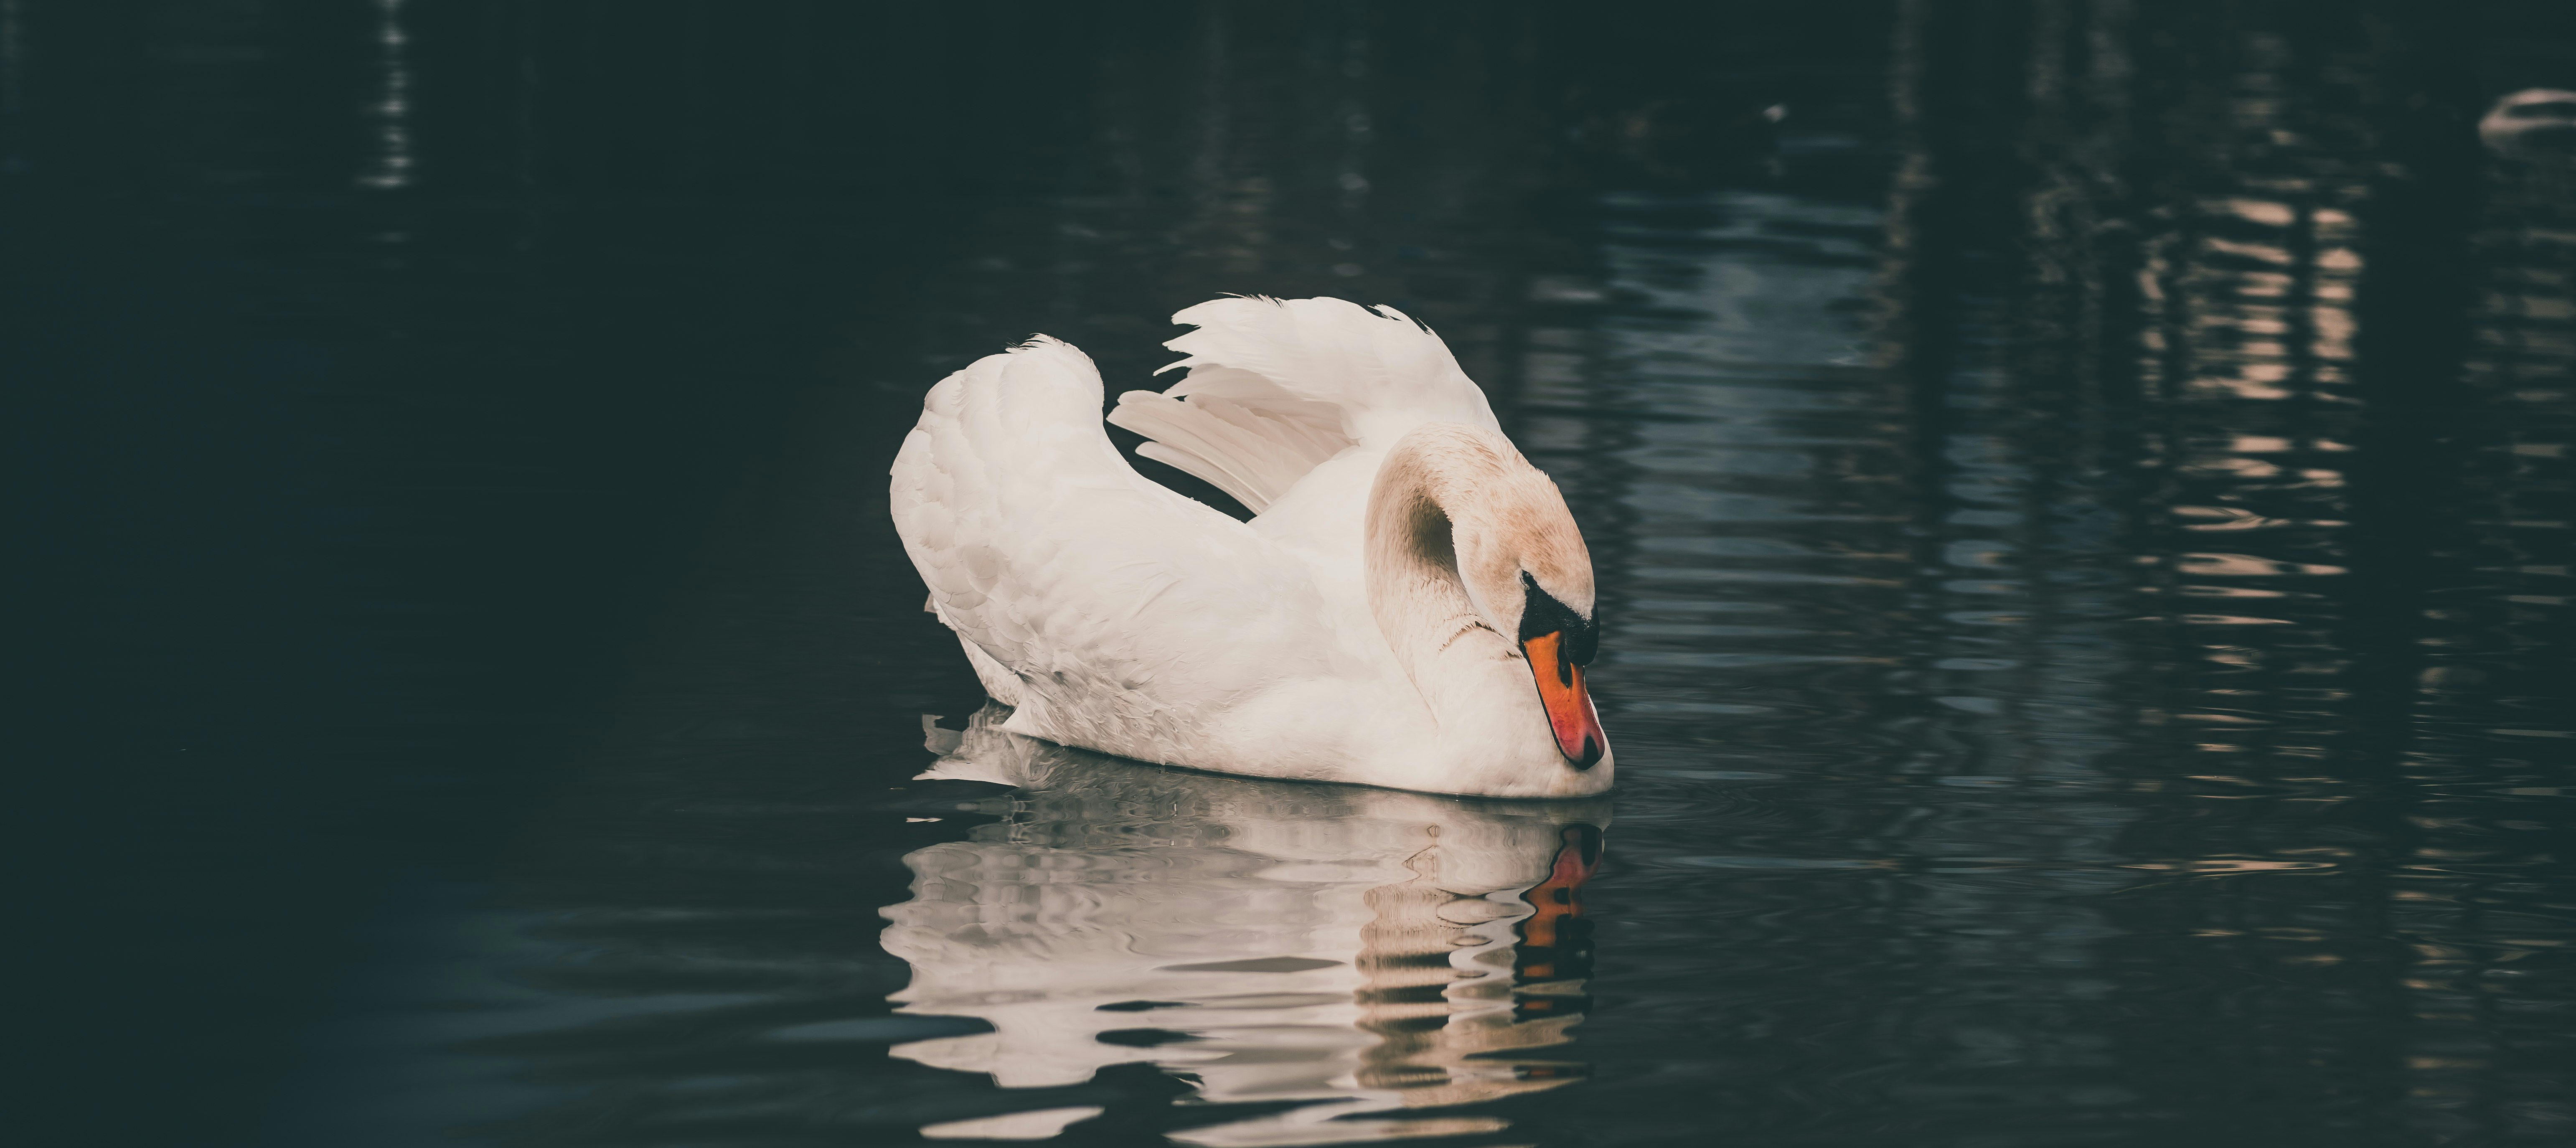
[(1569, 705)]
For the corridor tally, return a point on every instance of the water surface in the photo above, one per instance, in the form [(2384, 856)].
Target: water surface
[(2081, 502)]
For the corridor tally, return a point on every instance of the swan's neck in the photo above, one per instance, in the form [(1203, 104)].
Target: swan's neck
[(1426, 496)]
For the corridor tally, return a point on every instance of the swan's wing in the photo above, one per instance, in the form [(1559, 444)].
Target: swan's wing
[(1276, 387), (1125, 613), (1249, 439)]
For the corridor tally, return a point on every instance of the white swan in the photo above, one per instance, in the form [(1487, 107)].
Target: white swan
[(1411, 607)]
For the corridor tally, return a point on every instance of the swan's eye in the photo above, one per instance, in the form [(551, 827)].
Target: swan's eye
[(1583, 643), (1542, 614)]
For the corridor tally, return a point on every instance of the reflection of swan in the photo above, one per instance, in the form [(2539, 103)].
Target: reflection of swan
[(1371, 949), (2533, 124), (1383, 620)]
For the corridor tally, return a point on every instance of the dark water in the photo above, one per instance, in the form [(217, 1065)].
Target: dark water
[(2082, 503)]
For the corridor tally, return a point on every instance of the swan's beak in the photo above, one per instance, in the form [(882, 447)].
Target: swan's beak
[(1569, 705)]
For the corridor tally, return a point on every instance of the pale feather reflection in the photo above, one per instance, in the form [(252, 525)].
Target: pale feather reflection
[(1367, 951)]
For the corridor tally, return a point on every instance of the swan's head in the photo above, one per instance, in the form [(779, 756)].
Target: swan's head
[(1460, 507), (1526, 570)]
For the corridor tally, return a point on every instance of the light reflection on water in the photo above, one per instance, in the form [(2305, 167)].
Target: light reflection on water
[(1357, 952)]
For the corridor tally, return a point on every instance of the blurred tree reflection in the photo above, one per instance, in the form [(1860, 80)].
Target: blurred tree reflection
[(2239, 279)]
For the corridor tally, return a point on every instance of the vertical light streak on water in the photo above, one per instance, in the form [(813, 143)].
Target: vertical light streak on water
[(1356, 129), (13, 83), (390, 168), (1228, 227)]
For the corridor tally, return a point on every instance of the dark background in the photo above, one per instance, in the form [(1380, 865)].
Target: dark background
[(391, 381)]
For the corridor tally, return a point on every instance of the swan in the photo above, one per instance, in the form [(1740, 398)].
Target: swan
[(1411, 606)]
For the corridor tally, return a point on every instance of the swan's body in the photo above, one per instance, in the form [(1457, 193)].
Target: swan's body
[(1353, 631)]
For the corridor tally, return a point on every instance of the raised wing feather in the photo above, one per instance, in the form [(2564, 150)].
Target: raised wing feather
[(1276, 387), (1123, 612), (1253, 446)]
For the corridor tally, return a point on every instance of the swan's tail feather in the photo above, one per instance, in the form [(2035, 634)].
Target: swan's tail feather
[(1277, 386)]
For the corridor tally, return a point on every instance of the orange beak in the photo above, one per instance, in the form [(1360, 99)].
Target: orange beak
[(1569, 705)]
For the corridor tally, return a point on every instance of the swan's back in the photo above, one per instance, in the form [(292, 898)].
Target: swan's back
[(1116, 613)]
